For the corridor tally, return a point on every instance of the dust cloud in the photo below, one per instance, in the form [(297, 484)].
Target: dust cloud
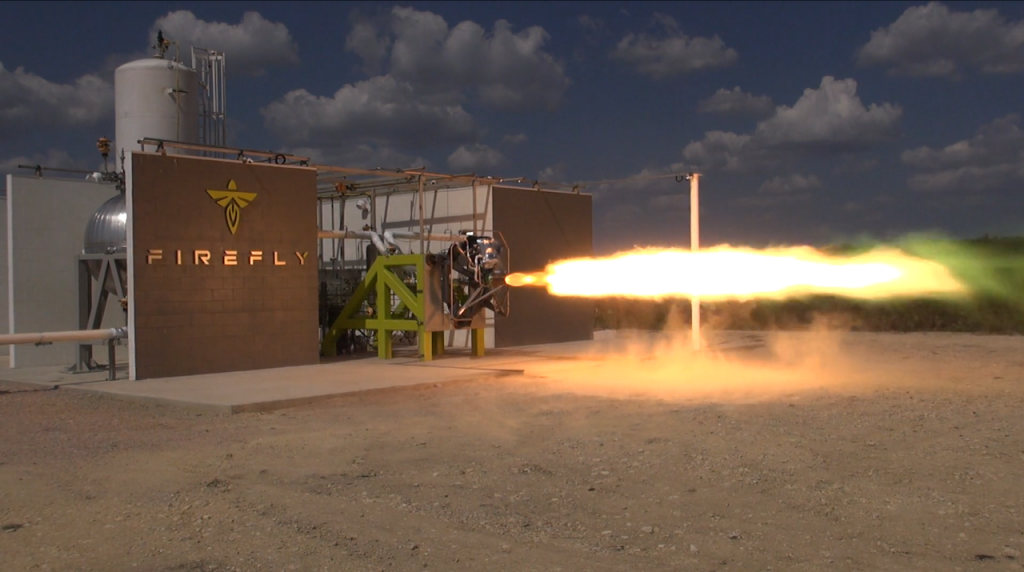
[(735, 367)]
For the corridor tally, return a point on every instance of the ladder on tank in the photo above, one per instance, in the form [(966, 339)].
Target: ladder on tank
[(213, 127)]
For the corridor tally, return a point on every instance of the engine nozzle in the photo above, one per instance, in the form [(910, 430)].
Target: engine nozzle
[(517, 279)]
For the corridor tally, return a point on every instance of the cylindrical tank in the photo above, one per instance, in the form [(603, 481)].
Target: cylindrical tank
[(107, 233), (155, 98)]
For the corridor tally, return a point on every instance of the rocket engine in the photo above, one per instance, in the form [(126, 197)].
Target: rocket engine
[(473, 274)]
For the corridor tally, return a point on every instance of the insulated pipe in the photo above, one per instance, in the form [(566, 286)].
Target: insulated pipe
[(72, 336), (378, 242), (389, 239)]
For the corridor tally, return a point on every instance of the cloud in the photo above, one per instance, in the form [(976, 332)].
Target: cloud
[(361, 155), (932, 41), (504, 69), (113, 61), (719, 150), (371, 47), (593, 32), (736, 102), (29, 102), (652, 189), (428, 73), (590, 24), (852, 164), (672, 52), (993, 158), (792, 188), (832, 115), (623, 216), (789, 184), (52, 158), (514, 139), (251, 46), (474, 157), (831, 119), (552, 174), (674, 202), (382, 111)]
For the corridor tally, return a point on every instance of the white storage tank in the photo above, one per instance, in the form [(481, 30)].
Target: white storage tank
[(155, 98)]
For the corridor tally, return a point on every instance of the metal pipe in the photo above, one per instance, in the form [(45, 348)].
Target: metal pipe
[(694, 247), (320, 223), (396, 234), (71, 336), (474, 204), (111, 360), (373, 210), (223, 85)]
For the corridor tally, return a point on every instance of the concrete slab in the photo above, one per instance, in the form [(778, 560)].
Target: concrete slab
[(50, 377), (267, 390)]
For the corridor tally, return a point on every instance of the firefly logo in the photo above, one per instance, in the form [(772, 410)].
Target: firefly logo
[(233, 202)]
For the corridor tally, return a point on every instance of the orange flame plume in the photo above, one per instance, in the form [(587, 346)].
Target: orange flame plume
[(727, 273)]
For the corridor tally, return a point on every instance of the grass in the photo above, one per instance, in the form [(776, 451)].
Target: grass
[(992, 266)]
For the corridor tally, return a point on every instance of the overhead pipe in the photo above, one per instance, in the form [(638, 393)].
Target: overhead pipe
[(396, 234)]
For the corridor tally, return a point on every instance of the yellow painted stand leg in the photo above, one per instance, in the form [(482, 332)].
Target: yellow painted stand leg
[(478, 342), (383, 314), (426, 342), (431, 344)]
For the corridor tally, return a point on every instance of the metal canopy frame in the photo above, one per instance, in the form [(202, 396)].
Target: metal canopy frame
[(335, 181)]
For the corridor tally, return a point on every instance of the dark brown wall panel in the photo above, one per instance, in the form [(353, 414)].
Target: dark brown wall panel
[(540, 228), (210, 318)]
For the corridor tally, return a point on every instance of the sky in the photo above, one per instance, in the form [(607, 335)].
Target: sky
[(810, 123)]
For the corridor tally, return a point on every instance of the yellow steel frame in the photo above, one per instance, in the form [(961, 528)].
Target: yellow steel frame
[(382, 280)]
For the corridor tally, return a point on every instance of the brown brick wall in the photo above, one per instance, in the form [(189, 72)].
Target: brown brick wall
[(543, 227), (194, 319)]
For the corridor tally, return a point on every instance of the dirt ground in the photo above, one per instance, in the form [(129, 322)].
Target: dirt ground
[(844, 452)]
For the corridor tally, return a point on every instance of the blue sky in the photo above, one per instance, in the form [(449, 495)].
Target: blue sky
[(811, 122)]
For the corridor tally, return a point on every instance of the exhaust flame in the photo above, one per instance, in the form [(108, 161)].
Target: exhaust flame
[(726, 273), (524, 279)]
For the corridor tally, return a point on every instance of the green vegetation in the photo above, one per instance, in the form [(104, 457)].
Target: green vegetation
[(992, 267)]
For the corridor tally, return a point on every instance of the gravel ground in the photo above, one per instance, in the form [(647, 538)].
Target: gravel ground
[(855, 452)]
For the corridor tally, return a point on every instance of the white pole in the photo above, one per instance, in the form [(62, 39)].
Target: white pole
[(694, 247)]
